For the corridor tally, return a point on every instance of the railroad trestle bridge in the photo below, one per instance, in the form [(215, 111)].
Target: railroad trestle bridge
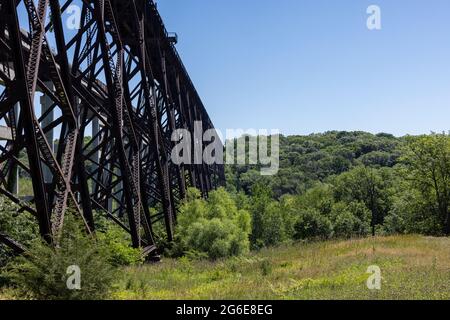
[(113, 92)]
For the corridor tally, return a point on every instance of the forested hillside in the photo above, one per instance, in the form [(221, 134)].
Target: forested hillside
[(305, 160), (346, 184)]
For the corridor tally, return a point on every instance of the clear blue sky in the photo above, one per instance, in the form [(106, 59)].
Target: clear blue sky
[(306, 66)]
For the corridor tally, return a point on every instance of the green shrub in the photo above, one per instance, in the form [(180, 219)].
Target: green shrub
[(42, 273), (364, 218), (350, 220), (345, 225), (212, 227), (117, 242), (22, 227), (312, 224), (266, 267)]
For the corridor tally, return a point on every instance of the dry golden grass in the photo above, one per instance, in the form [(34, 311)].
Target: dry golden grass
[(7, 294), (413, 267)]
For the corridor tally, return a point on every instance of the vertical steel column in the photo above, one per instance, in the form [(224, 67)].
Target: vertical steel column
[(95, 143), (26, 106), (46, 104), (15, 183), (114, 75)]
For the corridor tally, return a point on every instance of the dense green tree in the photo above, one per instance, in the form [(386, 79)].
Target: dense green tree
[(427, 163), (350, 220), (261, 199), (320, 198), (311, 224), (367, 185), (272, 221)]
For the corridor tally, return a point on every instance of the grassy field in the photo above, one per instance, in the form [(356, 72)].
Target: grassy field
[(413, 267)]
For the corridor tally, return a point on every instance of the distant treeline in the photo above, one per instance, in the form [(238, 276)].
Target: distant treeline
[(353, 183)]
